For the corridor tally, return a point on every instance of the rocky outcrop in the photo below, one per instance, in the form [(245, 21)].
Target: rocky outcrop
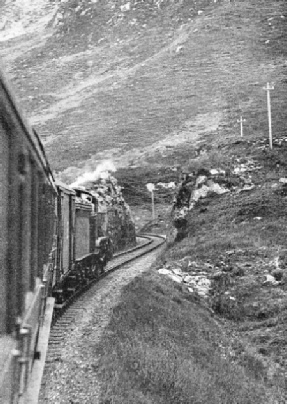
[(204, 184), (120, 225), (114, 214)]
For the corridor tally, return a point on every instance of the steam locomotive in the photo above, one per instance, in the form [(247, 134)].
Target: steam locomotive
[(52, 240)]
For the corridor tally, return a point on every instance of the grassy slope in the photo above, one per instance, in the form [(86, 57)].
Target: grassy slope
[(161, 346)]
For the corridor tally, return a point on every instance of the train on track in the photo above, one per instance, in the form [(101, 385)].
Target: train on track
[(53, 240)]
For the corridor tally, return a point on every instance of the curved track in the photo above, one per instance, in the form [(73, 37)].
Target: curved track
[(145, 244), (65, 319)]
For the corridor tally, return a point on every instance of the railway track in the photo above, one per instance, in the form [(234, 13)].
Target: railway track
[(65, 319)]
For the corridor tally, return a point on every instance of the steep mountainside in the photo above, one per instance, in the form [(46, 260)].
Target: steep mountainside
[(143, 82)]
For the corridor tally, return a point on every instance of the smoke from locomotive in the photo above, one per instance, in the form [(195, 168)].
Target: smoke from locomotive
[(103, 170)]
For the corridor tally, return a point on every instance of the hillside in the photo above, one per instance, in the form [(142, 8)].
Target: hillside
[(142, 83)]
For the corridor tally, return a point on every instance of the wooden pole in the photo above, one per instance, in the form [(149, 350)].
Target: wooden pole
[(268, 88), (152, 205), (241, 120)]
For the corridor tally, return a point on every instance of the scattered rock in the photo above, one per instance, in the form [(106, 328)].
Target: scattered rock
[(168, 185), (164, 271), (197, 280), (179, 49), (208, 188), (177, 271), (175, 278), (269, 279), (247, 188), (213, 171), (125, 7), (188, 279), (201, 292)]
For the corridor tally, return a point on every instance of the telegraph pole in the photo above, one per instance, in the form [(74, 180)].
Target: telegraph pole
[(268, 88), (152, 205), (241, 120), (151, 188)]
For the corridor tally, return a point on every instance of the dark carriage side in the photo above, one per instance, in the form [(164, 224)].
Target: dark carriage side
[(27, 218)]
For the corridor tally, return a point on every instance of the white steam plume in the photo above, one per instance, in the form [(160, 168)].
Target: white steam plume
[(103, 170)]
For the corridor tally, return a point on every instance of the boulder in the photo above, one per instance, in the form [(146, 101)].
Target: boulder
[(177, 271), (247, 188), (213, 171), (269, 279), (188, 279), (164, 271), (125, 7), (215, 187), (179, 49), (175, 278), (204, 283), (202, 292), (200, 180)]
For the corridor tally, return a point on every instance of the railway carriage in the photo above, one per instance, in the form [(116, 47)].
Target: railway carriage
[(27, 222)]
